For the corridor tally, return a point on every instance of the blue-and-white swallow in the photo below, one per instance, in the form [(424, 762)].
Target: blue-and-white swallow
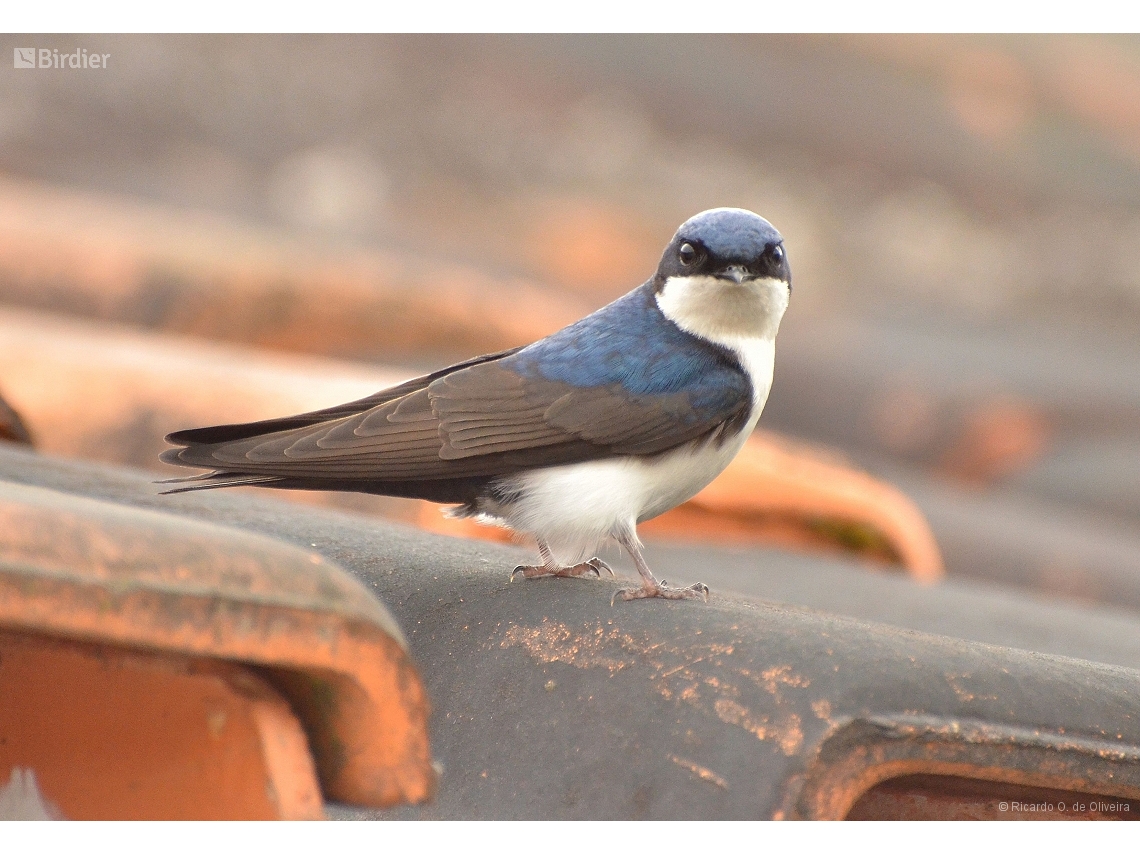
[(573, 439)]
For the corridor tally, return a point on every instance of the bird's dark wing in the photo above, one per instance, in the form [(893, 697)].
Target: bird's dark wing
[(494, 410), (229, 433), (483, 418)]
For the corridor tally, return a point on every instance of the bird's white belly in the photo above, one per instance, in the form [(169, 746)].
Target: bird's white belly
[(575, 507)]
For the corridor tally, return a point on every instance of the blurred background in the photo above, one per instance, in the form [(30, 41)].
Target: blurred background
[(962, 216)]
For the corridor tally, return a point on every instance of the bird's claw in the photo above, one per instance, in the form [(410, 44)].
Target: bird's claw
[(593, 567), (663, 591), (599, 565)]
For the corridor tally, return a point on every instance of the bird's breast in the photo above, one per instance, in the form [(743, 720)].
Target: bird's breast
[(590, 501)]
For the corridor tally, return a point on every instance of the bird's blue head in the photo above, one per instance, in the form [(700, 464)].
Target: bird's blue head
[(725, 276), (725, 243)]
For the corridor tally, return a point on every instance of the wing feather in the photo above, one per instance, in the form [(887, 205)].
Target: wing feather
[(481, 418)]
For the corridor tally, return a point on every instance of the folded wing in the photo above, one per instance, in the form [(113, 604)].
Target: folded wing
[(481, 418)]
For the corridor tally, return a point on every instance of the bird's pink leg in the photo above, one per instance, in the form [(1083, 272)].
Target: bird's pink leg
[(650, 587), (550, 567)]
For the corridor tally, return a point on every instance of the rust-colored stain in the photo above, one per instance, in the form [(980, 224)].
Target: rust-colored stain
[(116, 734), (786, 732), (92, 570), (957, 684), (781, 675), (553, 642), (700, 771), (672, 667), (822, 709)]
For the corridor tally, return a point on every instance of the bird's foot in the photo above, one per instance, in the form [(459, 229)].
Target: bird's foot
[(593, 567), (699, 591), (599, 565)]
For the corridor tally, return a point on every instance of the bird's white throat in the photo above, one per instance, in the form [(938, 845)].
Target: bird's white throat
[(742, 317), (722, 311)]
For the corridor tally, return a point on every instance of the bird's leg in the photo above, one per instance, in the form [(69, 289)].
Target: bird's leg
[(550, 567), (650, 587)]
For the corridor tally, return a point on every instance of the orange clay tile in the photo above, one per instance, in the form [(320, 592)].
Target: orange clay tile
[(805, 495), (110, 733), (12, 427), (108, 393), (162, 268), (101, 573), (1000, 436)]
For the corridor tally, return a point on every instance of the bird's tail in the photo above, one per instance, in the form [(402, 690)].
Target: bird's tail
[(217, 480)]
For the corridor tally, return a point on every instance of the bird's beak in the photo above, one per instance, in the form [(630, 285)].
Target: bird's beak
[(736, 272)]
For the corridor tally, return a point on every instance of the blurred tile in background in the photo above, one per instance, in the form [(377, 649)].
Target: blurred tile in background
[(962, 215)]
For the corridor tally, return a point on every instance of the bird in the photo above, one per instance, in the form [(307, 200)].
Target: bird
[(573, 440)]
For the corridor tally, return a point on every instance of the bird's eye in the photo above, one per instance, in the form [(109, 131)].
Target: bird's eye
[(777, 253), (688, 254)]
